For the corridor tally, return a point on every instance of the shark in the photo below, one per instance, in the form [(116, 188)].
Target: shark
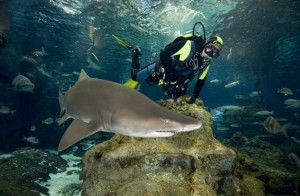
[(102, 105), (40, 53)]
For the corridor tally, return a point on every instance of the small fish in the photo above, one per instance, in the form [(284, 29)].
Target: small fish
[(32, 140), (22, 84), (48, 121), (291, 101), (43, 71), (216, 115), (295, 140), (94, 37), (232, 84), (215, 81), (231, 107), (229, 54), (294, 106), (6, 110), (40, 53), (33, 128), (255, 93), (272, 126), (30, 60), (264, 113), (87, 144), (257, 123), (93, 61), (66, 75), (139, 28), (282, 119), (76, 73), (285, 91), (222, 129), (236, 125)]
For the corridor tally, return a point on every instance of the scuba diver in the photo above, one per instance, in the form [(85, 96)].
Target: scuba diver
[(180, 61)]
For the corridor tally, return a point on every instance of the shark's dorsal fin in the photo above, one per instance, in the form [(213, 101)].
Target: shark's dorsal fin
[(83, 75)]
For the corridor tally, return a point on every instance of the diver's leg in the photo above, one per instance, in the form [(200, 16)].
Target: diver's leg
[(135, 64), (135, 68), (148, 74)]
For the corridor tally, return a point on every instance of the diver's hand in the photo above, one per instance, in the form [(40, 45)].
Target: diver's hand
[(192, 100)]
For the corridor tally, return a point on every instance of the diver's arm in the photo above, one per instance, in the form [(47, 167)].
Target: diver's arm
[(166, 59), (199, 85)]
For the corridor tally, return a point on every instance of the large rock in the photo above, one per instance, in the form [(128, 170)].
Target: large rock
[(21, 171), (271, 165), (192, 163)]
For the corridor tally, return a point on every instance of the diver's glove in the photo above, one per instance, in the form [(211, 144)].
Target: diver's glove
[(192, 100)]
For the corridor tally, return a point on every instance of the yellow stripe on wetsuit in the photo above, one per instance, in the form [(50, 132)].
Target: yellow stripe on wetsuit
[(184, 51), (202, 76)]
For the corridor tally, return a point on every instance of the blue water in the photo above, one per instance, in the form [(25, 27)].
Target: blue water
[(263, 35)]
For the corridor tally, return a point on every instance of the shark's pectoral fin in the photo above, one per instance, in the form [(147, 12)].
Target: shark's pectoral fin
[(77, 131)]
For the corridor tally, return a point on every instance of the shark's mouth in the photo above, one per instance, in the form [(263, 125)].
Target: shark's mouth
[(166, 132)]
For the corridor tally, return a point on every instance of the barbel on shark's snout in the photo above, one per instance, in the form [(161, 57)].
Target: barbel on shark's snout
[(101, 105)]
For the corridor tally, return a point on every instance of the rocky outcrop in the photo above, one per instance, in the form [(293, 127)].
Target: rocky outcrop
[(271, 164), (21, 171), (192, 163)]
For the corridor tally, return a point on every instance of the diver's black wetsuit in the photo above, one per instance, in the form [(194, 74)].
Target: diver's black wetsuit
[(179, 62)]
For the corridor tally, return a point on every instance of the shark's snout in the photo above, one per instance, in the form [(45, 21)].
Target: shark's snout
[(191, 127)]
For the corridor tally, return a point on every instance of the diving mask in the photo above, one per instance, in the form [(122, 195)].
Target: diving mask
[(212, 50)]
